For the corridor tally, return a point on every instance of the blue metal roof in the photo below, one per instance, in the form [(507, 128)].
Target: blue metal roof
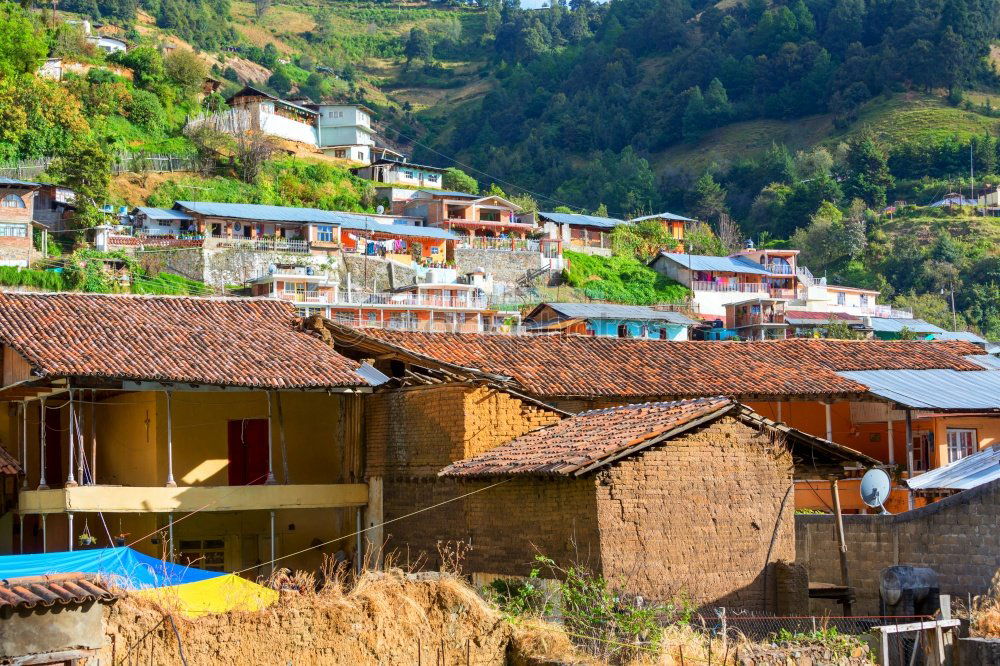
[(163, 213), (452, 193), (574, 219), (345, 220), (662, 216), (14, 182), (967, 336), (969, 472), (701, 262), (619, 312), (893, 325), (941, 389)]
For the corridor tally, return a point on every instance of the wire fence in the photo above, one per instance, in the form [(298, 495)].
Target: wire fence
[(124, 162)]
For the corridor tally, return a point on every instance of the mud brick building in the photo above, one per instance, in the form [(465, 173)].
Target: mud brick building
[(673, 499)]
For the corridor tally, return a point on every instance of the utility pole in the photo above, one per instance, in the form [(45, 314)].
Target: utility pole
[(954, 317)]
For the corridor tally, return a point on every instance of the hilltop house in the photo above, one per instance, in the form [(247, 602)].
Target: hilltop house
[(17, 223), (216, 408), (582, 233), (609, 320), (675, 224), (400, 172)]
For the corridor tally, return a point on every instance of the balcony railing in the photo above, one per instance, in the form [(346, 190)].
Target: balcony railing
[(407, 299), (744, 287), (779, 269), (427, 326), (262, 244), (508, 244)]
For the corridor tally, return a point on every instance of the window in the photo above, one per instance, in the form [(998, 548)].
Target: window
[(961, 443), (623, 331), (12, 201), (408, 174), (209, 554), (340, 152), (841, 298), (16, 230), (361, 156), (922, 442), (324, 233), (864, 299), (433, 178)]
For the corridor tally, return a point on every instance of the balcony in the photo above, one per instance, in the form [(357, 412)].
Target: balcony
[(259, 244), (465, 223), (743, 287), (425, 326), (409, 299), (779, 269), (125, 499), (507, 244)]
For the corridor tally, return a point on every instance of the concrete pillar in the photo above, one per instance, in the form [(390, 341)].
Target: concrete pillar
[(42, 482), (24, 444), (909, 454), (827, 408), (891, 444), (70, 480), (270, 437), (170, 443)]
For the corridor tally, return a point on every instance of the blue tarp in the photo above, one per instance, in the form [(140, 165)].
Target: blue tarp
[(122, 567)]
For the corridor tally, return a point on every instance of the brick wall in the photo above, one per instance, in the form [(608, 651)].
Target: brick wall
[(959, 537), (699, 516), (418, 431)]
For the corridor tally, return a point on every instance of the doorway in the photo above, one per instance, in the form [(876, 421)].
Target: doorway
[(248, 452)]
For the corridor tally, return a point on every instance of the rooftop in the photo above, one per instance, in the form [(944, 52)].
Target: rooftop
[(969, 472), (583, 366), (662, 216), (936, 389), (894, 325), (51, 590), (251, 343), (594, 439), (574, 219), (701, 262), (163, 213), (260, 212), (808, 317), (615, 311)]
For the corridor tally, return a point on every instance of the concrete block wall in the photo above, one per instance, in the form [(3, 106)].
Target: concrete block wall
[(959, 537)]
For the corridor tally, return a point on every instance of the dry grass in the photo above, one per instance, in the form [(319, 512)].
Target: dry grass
[(984, 616)]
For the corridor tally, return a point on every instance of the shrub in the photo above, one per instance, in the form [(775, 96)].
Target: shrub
[(620, 279)]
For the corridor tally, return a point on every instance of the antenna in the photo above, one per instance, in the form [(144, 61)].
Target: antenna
[(875, 488)]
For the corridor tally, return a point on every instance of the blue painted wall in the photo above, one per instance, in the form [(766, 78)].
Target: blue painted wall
[(609, 328)]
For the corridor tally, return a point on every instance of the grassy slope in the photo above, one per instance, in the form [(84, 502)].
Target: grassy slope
[(620, 279), (910, 116)]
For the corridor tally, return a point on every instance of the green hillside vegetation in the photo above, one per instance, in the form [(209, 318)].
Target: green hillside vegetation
[(83, 271), (620, 279)]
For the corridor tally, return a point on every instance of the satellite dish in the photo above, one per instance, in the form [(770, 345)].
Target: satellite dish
[(380, 210), (875, 487)]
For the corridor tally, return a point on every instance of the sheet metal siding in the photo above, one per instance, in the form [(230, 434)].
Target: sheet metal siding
[(574, 219), (892, 325), (969, 472), (933, 389), (699, 262)]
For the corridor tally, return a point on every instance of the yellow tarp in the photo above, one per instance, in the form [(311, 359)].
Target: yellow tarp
[(215, 595)]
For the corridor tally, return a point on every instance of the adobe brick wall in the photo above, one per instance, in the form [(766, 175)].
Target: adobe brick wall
[(694, 517), (959, 537), (699, 517), (420, 430)]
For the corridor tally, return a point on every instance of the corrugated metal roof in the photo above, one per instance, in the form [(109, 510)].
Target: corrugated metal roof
[(49, 590), (701, 262), (260, 212), (969, 472), (988, 361), (662, 216), (365, 223), (968, 336), (933, 389), (14, 182), (619, 312), (452, 193), (574, 219), (810, 318), (163, 213), (887, 325)]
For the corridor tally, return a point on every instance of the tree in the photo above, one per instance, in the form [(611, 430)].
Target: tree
[(146, 64), (709, 201), (418, 46), (868, 176), (280, 82), (261, 7), (23, 44), (185, 69), (86, 169), (459, 181)]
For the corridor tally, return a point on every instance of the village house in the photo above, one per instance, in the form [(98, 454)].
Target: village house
[(913, 405), (400, 172), (425, 306), (127, 412), (611, 489), (609, 320), (675, 224), (470, 215), (583, 233), (17, 223), (757, 318)]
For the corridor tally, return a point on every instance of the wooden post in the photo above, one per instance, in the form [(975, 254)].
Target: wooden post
[(24, 444), (70, 480), (909, 455), (891, 443), (281, 438), (845, 577), (829, 421), (270, 444), (93, 437), (42, 484), (170, 444), (45, 540)]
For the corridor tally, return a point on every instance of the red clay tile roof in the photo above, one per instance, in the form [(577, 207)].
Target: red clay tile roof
[(820, 316), (63, 589), (8, 465), (580, 366), (591, 439), (218, 341)]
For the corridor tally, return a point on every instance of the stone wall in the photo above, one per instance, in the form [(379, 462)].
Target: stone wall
[(374, 274), (958, 537), (503, 265)]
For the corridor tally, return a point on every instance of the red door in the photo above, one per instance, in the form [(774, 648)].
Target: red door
[(54, 475), (247, 452)]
